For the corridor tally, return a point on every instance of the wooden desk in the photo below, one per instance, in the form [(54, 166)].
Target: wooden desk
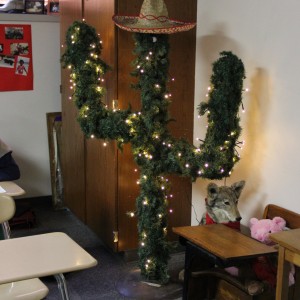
[(42, 255), (289, 251), (11, 188), (219, 245)]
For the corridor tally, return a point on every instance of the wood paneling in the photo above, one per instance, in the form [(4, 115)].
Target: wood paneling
[(101, 162), (107, 174), (73, 145), (182, 68), (128, 188), (101, 190)]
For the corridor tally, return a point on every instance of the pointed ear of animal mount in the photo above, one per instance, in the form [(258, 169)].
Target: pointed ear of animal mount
[(238, 187), (212, 192)]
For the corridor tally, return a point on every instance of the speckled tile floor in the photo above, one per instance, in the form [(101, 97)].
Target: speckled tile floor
[(112, 277)]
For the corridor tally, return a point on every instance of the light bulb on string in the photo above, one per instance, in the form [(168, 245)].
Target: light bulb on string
[(131, 214)]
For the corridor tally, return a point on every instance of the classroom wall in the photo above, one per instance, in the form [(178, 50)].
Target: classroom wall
[(264, 34), (23, 114)]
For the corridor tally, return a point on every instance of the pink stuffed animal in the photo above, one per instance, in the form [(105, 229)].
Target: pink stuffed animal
[(260, 229), (263, 267)]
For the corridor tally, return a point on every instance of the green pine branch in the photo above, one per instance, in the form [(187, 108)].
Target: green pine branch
[(155, 150)]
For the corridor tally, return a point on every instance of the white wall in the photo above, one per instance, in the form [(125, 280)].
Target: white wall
[(265, 35), (23, 114)]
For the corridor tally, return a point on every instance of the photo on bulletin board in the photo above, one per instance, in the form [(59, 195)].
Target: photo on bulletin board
[(34, 7), (53, 7), (22, 65)]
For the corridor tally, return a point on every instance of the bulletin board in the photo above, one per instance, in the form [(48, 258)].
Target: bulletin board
[(16, 70)]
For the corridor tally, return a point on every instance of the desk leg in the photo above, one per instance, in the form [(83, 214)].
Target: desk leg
[(282, 288), (62, 285), (194, 261), (187, 272)]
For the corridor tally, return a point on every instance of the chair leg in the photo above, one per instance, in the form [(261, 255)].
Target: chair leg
[(62, 285), (6, 230)]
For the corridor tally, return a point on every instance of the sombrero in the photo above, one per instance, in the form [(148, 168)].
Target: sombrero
[(153, 18)]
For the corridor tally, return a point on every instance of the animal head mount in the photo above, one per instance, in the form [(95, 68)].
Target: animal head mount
[(222, 201)]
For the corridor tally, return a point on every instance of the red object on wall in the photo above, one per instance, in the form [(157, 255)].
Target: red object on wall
[(16, 70)]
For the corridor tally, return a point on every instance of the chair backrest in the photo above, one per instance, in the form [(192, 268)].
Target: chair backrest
[(7, 208), (292, 218)]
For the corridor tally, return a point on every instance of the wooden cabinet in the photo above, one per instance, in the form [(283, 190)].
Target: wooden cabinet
[(100, 182)]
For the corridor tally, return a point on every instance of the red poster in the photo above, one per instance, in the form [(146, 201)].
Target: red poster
[(16, 72)]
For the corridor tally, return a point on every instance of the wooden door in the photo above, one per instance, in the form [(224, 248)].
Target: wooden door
[(101, 161), (182, 67), (100, 182), (73, 142)]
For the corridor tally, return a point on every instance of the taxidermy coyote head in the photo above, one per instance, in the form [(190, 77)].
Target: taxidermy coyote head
[(221, 203)]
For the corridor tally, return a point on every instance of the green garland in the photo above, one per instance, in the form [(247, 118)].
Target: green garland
[(155, 151)]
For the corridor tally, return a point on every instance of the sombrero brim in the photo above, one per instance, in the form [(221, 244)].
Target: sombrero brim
[(133, 24)]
